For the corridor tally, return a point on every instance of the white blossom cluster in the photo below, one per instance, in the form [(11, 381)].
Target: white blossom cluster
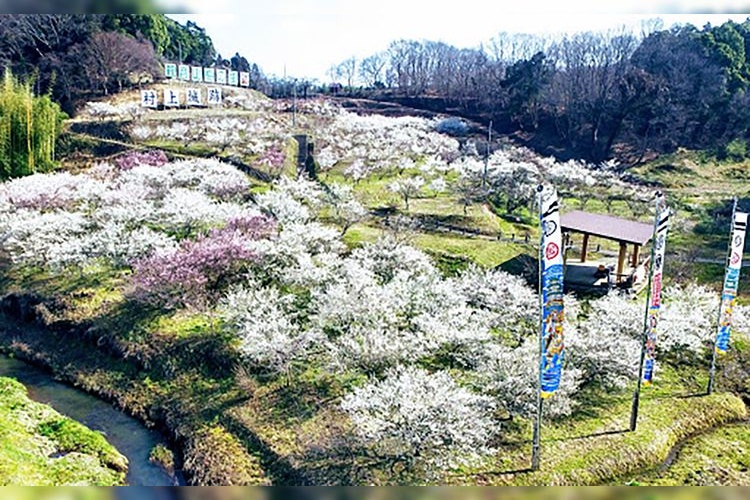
[(424, 420), (61, 219), (371, 143), (252, 135), (105, 110)]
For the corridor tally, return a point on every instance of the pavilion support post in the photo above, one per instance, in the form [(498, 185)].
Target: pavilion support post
[(636, 251), (584, 247), (621, 259)]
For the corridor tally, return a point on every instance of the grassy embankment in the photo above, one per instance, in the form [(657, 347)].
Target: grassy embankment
[(40, 447)]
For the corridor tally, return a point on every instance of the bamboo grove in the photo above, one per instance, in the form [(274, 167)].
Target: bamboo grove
[(29, 127)]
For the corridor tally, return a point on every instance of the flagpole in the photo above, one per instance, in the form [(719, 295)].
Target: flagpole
[(637, 393), (538, 422), (712, 373)]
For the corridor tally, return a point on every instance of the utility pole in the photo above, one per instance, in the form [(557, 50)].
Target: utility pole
[(294, 103), (487, 156)]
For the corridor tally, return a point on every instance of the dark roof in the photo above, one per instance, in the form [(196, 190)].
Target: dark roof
[(606, 226)]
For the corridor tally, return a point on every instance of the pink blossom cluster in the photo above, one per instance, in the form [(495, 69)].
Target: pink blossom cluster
[(132, 159), (197, 271)]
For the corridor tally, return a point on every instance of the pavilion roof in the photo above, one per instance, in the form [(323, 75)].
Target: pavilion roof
[(606, 226)]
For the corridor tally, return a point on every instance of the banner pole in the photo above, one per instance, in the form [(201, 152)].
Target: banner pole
[(712, 373), (538, 421), (637, 393)]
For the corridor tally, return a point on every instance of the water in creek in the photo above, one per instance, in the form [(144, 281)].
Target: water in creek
[(128, 435)]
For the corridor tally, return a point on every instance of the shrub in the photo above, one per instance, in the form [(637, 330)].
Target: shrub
[(735, 150), (452, 126)]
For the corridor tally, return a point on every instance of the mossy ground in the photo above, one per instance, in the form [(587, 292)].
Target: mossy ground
[(40, 447)]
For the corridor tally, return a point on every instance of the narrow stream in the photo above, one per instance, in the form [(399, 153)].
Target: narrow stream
[(125, 433)]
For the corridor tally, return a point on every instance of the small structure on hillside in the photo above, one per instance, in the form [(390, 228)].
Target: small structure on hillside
[(630, 272), (305, 158)]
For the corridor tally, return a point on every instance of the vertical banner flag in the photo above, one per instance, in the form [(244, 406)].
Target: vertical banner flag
[(660, 243), (149, 99), (170, 70), (209, 75), (234, 78), (552, 295), (244, 79), (193, 97), (221, 76), (214, 95), (731, 281), (171, 97), (197, 73), (184, 72)]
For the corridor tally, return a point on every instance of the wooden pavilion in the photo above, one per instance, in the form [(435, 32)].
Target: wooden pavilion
[(625, 232)]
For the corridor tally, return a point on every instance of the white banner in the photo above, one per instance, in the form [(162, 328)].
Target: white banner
[(553, 313), (244, 79), (234, 78), (660, 244), (731, 281), (209, 75), (221, 76)]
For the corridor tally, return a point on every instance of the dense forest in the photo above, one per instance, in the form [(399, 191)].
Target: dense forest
[(593, 95), (78, 57)]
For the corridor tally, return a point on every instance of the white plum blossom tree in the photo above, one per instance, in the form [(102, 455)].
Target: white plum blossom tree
[(266, 325), (421, 423), (407, 188)]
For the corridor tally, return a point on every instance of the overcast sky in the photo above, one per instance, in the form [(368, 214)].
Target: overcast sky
[(303, 38)]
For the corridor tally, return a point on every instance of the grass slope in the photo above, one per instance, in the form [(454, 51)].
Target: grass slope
[(40, 447)]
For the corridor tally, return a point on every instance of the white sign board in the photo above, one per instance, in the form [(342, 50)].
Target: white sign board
[(234, 78), (193, 97), (221, 76), (209, 75), (171, 97), (214, 95), (197, 73), (244, 79), (170, 70), (184, 72), (149, 99)]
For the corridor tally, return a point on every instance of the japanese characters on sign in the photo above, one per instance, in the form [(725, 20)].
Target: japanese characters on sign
[(221, 76), (184, 71), (171, 97), (149, 99), (209, 75), (214, 95), (244, 79), (193, 97), (234, 78), (170, 70), (197, 74)]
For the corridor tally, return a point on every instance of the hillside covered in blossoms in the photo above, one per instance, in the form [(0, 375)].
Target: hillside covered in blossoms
[(354, 319)]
